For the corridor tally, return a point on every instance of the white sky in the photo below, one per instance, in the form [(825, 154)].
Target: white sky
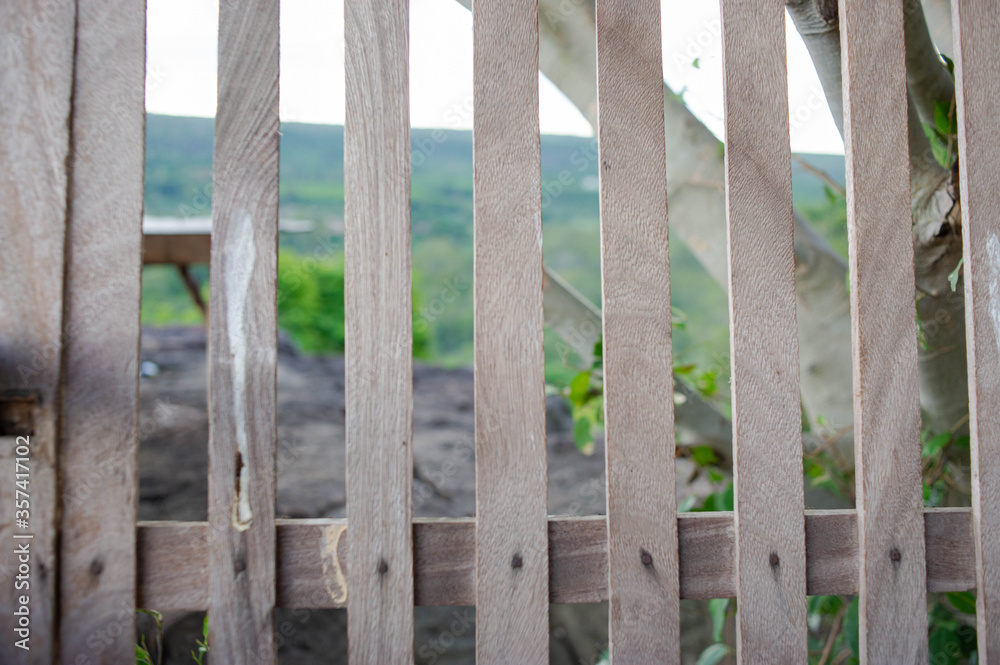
[(181, 63)]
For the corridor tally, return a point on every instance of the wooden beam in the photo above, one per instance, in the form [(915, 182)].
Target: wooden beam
[(36, 76), (512, 617), (643, 576), (312, 559), (977, 73), (100, 411), (892, 606), (767, 411), (379, 347), (243, 336)]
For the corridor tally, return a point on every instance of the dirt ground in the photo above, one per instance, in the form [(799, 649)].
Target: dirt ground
[(311, 472)]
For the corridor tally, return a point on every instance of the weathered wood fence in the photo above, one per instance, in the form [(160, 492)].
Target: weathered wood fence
[(71, 160)]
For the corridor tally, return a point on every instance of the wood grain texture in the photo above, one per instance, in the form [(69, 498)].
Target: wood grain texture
[(243, 336), (312, 559), (379, 349), (512, 617), (36, 76), (892, 586), (977, 74), (643, 577), (100, 420), (767, 416)]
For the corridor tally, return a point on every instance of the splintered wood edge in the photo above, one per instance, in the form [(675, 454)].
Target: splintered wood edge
[(312, 556)]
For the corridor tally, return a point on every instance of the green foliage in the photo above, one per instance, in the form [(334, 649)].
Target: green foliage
[(142, 653), (201, 645)]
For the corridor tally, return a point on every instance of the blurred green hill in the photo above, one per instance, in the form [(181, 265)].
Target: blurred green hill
[(178, 184)]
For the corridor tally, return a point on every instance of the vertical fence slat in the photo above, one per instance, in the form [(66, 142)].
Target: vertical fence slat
[(36, 76), (512, 577), (767, 419), (977, 73), (892, 587), (379, 333), (243, 336), (99, 442), (643, 571)]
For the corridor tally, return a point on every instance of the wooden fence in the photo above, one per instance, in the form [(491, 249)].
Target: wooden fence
[(71, 158)]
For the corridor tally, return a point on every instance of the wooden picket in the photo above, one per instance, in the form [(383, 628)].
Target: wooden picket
[(100, 408), (379, 374), (977, 73), (767, 420), (892, 606), (512, 562), (243, 336), (35, 187), (70, 262), (643, 577)]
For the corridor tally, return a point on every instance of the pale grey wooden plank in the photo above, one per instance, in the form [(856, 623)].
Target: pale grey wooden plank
[(243, 336), (767, 417), (312, 559), (512, 575), (379, 352), (99, 441), (36, 77), (643, 577), (892, 585), (976, 26)]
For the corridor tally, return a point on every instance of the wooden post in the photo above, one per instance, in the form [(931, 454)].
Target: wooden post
[(243, 336), (379, 311), (892, 581), (100, 410), (36, 76), (977, 74), (767, 417), (512, 573), (643, 576)]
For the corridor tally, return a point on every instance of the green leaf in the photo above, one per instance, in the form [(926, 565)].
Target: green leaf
[(963, 601), (713, 655), (944, 645), (851, 626), (599, 348), (953, 275), (697, 63), (579, 387), (718, 608), (949, 63), (941, 120), (581, 433), (704, 456), (684, 369), (831, 196), (934, 445)]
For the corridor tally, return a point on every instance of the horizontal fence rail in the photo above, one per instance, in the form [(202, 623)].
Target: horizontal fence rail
[(312, 558)]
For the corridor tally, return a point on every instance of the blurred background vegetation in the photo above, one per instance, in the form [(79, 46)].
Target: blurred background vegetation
[(310, 302)]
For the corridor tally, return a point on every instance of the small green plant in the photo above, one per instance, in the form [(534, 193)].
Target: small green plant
[(202, 645), (143, 656), (142, 653)]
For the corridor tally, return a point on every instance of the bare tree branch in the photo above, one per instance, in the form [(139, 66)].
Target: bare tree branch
[(928, 80)]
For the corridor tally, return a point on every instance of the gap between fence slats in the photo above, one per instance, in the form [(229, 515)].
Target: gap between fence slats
[(100, 410), (767, 417), (379, 352), (312, 559), (892, 588), (643, 577), (512, 616), (243, 336), (977, 73), (36, 76)]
